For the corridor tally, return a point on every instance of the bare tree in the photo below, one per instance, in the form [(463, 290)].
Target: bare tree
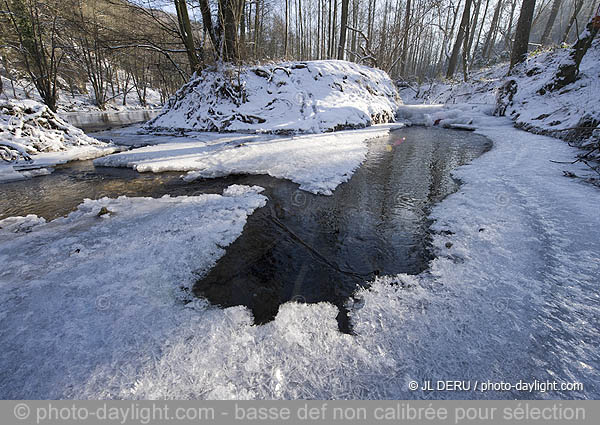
[(550, 24), (487, 4), (521, 43), (185, 30), (473, 26), (36, 27), (224, 34), (491, 35), (343, 30), (576, 9), (462, 30), (508, 31)]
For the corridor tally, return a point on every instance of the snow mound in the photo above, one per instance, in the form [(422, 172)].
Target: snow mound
[(33, 139), (28, 128), (312, 97)]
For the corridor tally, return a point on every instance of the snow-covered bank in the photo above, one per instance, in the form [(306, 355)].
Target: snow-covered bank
[(513, 298), (314, 96), (447, 116), (103, 286), (319, 163), (32, 137), (513, 293), (571, 113), (133, 136)]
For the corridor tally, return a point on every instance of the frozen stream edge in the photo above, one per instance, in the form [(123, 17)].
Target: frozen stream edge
[(514, 298)]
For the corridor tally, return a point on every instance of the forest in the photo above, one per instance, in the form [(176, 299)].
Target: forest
[(118, 48)]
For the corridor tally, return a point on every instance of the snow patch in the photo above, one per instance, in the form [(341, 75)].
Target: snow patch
[(319, 162), (20, 224)]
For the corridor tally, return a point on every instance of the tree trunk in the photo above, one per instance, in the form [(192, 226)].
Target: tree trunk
[(333, 32), (507, 39), (485, 11), (343, 30), (444, 53), (405, 39), (329, 31), (576, 10), (550, 23), (208, 26), (185, 30), (287, 23), (473, 27), (464, 24), (229, 22), (465, 51), (521, 43), (568, 71), (489, 39), (242, 21), (354, 24), (256, 26), (370, 21)]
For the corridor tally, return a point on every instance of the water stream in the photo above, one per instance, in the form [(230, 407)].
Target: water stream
[(300, 247)]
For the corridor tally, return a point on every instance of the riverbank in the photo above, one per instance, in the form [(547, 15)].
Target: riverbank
[(572, 114), (512, 285)]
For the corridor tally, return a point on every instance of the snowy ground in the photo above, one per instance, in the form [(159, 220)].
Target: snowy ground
[(33, 139), (512, 295), (555, 114), (319, 163), (103, 285), (308, 97)]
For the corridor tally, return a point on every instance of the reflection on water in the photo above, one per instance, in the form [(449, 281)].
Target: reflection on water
[(300, 246), (314, 248), (97, 121)]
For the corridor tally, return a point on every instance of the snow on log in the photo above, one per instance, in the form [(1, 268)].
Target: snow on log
[(307, 97)]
